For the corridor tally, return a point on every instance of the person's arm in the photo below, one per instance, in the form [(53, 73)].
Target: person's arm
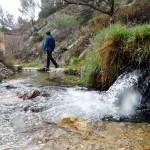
[(46, 43)]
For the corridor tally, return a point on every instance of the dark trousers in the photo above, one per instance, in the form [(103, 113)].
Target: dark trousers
[(50, 58)]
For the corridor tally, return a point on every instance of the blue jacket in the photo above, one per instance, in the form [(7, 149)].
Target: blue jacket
[(46, 46)]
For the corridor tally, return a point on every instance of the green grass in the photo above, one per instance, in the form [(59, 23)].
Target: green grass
[(33, 64), (1, 78), (91, 70), (114, 51)]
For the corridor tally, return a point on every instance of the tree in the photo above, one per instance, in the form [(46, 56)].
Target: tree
[(49, 6), (28, 9), (2, 19), (7, 21), (22, 23), (107, 7), (10, 22)]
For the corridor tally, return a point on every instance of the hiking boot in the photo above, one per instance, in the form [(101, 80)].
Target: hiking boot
[(46, 69), (57, 66)]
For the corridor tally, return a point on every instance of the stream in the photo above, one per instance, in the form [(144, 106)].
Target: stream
[(30, 124)]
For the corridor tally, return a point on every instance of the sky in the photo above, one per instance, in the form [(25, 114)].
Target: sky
[(11, 6)]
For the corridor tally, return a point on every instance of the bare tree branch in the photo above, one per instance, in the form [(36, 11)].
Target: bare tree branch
[(104, 6)]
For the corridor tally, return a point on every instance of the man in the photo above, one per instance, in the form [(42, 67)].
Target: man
[(49, 49)]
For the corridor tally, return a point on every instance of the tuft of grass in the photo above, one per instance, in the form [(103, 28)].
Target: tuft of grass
[(114, 51), (1, 78), (91, 71)]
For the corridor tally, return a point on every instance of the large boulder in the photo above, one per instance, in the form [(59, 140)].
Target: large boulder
[(144, 87), (30, 95), (73, 122)]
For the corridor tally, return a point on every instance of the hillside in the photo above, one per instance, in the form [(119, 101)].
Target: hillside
[(81, 35), (96, 96)]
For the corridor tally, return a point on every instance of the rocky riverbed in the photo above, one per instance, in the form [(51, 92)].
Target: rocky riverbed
[(62, 118), (4, 71)]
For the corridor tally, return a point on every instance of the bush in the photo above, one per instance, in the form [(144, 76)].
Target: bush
[(115, 50), (134, 14), (85, 14), (97, 23), (64, 22), (38, 37)]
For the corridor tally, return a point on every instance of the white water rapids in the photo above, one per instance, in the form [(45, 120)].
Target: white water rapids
[(120, 100), (17, 115)]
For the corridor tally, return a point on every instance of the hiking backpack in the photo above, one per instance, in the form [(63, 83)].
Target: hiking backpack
[(51, 43)]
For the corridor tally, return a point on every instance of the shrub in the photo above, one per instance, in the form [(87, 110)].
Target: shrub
[(85, 14), (115, 50), (38, 37), (134, 14), (64, 22), (99, 22)]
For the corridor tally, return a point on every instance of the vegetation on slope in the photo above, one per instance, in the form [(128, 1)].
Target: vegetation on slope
[(115, 50)]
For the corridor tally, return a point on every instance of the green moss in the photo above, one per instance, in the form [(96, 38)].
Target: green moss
[(114, 50)]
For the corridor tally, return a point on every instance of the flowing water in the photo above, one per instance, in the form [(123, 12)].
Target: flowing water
[(18, 116)]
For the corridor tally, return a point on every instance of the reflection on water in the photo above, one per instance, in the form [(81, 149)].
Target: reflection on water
[(46, 78)]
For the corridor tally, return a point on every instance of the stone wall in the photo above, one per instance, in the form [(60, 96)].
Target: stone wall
[(2, 46), (10, 42)]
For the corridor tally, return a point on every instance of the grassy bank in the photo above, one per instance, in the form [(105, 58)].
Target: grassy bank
[(1, 78), (114, 50)]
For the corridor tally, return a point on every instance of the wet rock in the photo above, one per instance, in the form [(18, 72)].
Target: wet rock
[(45, 94), (73, 122), (10, 87), (4, 71), (2, 65), (27, 34), (30, 95), (42, 69), (18, 67)]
